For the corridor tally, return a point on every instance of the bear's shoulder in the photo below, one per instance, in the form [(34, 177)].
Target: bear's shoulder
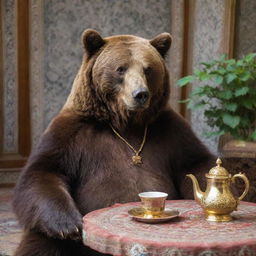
[(171, 119), (65, 125), (69, 128), (61, 132)]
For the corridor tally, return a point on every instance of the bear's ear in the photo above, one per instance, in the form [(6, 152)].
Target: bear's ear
[(162, 43), (92, 41)]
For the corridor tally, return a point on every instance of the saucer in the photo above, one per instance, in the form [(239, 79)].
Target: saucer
[(138, 213)]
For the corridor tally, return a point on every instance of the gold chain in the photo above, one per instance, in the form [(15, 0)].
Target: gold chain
[(137, 159)]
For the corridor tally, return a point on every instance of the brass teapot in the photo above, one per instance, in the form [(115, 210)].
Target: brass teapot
[(218, 201)]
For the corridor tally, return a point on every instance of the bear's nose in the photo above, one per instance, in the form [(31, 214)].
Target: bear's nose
[(140, 95)]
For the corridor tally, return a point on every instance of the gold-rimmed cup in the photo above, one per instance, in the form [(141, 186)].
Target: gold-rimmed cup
[(153, 203)]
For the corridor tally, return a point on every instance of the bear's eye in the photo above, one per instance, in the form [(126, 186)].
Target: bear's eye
[(121, 70), (147, 71)]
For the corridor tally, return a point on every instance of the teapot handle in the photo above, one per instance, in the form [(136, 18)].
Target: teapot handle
[(246, 181)]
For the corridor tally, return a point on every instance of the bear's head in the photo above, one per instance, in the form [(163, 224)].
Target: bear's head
[(122, 78)]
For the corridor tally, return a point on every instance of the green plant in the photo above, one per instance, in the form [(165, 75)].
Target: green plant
[(227, 96)]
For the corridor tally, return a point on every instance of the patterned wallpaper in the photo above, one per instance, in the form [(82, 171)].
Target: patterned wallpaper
[(10, 78), (208, 33), (246, 28), (65, 20), (36, 69)]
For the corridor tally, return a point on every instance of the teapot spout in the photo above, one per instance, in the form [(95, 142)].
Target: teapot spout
[(198, 194)]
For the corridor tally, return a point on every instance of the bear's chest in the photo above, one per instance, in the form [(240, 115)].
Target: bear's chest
[(110, 176)]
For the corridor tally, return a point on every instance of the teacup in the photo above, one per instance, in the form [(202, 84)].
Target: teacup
[(153, 203)]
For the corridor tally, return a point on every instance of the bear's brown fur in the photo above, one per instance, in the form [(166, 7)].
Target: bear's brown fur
[(80, 164)]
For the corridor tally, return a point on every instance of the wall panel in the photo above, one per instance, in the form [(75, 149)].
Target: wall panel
[(212, 29), (10, 94), (245, 40), (36, 69), (15, 109)]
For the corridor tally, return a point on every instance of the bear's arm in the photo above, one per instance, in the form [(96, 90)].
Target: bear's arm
[(42, 199), (190, 156)]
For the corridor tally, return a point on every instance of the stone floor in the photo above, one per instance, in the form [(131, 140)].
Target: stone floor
[(10, 232)]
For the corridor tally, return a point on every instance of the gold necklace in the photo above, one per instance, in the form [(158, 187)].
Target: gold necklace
[(136, 159)]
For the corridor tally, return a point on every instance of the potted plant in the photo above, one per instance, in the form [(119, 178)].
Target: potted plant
[(227, 96)]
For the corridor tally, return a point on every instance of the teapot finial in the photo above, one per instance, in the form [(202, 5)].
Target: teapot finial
[(218, 162), (218, 171)]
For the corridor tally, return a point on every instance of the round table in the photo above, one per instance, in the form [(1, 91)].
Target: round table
[(112, 231)]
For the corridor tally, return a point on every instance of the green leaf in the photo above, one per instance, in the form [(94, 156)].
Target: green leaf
[(250, 57), (245, 76), (184, 101), (203, 76), (253, 135), (231, 106), (231, 121), (241, 91), (197, 72), (198, 91), (245, 122), (190, 105), (230, 62), (198, 106), (222, 71), (185, 80), (240, 63), (217, 133), (223, 57), (231, 68), (230, 77), (248, 103), (225, 94), (207, 65), (218, 79)]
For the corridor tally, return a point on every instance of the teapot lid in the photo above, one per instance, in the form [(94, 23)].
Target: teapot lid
[(218, 171)]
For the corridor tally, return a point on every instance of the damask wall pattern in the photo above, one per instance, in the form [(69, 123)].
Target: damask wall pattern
[(8, 9), (64, 22), (207, 40), (36, 69), (246, 28)]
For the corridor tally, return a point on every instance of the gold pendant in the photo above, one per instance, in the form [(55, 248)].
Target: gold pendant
[(137, 159)]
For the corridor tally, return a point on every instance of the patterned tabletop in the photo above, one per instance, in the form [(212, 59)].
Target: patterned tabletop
[(111, 230)]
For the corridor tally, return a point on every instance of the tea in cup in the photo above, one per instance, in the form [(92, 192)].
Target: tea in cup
[(153, 203)]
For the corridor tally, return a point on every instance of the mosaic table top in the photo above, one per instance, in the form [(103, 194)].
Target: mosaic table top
[(111, 230)]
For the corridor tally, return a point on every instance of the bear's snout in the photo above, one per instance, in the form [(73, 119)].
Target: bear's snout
[(141, 96)]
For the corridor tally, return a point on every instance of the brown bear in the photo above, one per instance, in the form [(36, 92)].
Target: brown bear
[(114, 138)]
